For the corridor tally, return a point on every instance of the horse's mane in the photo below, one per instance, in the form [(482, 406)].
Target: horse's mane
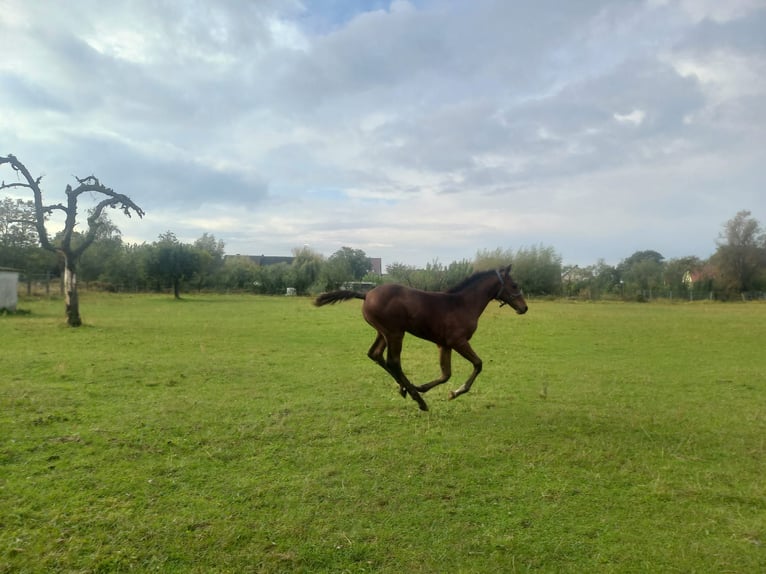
[(470, 280)]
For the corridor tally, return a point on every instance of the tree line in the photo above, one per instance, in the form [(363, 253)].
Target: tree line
[(736, 269)]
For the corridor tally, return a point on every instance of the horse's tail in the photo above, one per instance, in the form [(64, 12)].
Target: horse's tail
[(337, 297)]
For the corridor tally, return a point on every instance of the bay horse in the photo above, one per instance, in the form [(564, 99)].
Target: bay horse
[(448, 319)]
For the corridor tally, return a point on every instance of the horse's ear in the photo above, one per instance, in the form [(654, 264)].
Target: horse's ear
[(508, 269)]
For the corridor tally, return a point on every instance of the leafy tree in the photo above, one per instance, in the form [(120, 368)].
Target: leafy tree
[(374, 278), (486, 259), (400, 273), (335, 272), (274, 279), (239, 272), (606, 279), (640, 256), (355, 261), (574, 279), (171, 262), (105, 252), (17, 224), (19, 245), (456, 272), (130, 270), (436, 276), (432, 278), (680, 274), (210, 252), (538, 270), (642, 271), (741, 254), (69, 251), (306, 267), (344, 265), (591, 281)]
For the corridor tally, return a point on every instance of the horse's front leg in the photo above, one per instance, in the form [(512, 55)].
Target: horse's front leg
[(445, 362), (466, 351), (405, 386)]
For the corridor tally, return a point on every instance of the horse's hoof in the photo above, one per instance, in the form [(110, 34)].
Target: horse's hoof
[(423, 407), (452, 395)]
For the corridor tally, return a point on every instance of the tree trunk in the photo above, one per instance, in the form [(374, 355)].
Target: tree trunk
[(70, 296), (177, 288)]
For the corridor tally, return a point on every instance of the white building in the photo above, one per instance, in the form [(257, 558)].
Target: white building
[(9, 288)]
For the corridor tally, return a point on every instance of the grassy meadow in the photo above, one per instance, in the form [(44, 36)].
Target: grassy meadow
[(252, 434)]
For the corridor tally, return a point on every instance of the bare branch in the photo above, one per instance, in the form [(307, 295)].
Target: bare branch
[(50, 208), (4, 185), (92, 183), (115, 200)]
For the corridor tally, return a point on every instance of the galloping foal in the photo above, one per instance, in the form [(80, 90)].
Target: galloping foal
[(448, 319)]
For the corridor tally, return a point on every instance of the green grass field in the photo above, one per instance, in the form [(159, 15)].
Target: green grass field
[(252, 434)]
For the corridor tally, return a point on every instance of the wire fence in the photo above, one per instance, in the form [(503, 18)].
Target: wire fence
[(40, 284)]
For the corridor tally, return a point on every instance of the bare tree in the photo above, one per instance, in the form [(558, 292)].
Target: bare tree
[(69, 251)]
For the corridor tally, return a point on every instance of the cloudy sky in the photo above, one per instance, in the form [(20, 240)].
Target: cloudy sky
[(415, 130)]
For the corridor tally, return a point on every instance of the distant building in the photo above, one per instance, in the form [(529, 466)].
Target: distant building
[(264, 260)]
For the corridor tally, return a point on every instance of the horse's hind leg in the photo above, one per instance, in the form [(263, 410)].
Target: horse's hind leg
[(394, 366), (376, 354), (445, 362), (376, 351), (466, 351)]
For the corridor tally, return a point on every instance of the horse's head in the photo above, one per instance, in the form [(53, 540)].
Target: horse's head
[(510, 292)]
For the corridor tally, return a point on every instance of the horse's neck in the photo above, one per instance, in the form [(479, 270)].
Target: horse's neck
[(478, 297)]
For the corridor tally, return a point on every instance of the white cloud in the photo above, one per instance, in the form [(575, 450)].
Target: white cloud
[(411, 130), (401, 6), (122, 44), (718, 11), (286, 34), (724, 74), (635, 117)]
